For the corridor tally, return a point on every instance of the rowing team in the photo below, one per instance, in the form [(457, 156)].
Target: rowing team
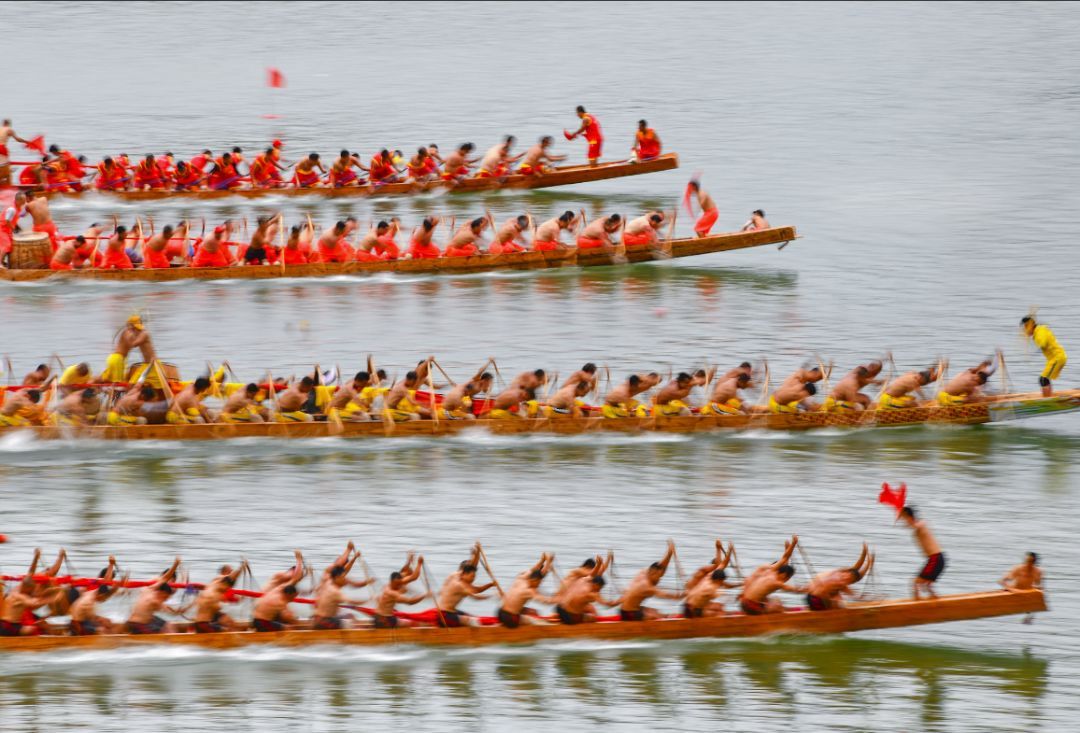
[(575, 600), (63, 171)]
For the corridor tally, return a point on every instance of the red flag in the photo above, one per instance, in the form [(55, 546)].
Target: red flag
[(274, 78), (686, 198), (897, 499), (37, 143), (567, 135)]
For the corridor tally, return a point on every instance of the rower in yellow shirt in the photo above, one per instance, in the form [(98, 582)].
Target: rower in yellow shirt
[(1055, 355)]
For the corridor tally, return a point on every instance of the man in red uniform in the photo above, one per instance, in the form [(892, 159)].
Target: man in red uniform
[(148, 175), (590, 128), (342, 173), (187, 177), (38, 206), (646, 142), (200, 161), (709, 212), (224, 175), (214, 250), (421, 247), (382, 169), (332, 244), (305, 175), (116, 256), (9, 222)]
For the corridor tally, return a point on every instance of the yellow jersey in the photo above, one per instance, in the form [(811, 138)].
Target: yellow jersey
[(1044, 338)]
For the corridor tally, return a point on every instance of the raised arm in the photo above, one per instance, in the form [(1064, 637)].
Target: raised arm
[(53, 569), (667, 556)]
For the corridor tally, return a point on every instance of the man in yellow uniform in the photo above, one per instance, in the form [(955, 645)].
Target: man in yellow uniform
[(1055, 355)]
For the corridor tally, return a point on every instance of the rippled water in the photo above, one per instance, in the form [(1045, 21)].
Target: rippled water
[(928, 153)]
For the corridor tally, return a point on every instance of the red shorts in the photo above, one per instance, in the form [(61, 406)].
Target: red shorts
[(154, 260), (595, 148), (116, 261), (705, 223), (210, 259), (362, 255), (306, 179), (545, 246), (54, 265), (295, 257), (343, 178), (49, 228), (467, 251), (634, 240), (423, 251), (339, 254), (589, 243)]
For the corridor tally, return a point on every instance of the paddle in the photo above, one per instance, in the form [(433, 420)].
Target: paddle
[(434, 598), (487, 567)]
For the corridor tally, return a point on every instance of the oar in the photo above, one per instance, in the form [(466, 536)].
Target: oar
[(431, 397), (678, 566), (806, 561), (487, 567), (495, 366), (443, 372), (434, 598), (10, 369)]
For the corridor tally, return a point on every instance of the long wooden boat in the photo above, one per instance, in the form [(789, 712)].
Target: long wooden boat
[(572, 257), (558, 176), (855, 617), (1001, 408)]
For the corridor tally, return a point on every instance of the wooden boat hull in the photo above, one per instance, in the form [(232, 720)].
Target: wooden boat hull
[(438, 266), (856, 617), (562, 176), (1009, 407)]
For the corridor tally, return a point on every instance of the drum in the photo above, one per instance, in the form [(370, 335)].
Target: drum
[(30, 251), (171, 372)]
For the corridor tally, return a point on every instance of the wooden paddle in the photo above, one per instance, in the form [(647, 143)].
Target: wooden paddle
[(434, 598), (487, 567)]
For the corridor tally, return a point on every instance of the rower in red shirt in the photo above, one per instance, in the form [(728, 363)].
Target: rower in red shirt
[(420, 166), (224, 175), (187, 177), (646, 142), (200, 161), (148, 175), (275, 157), (305, 175), (110, 176), (590, 128), (167, 166), (420, 246), (381, 169), (74, 168), (34, 175)]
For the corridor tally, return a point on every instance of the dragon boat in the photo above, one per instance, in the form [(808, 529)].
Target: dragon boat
[(860, 616)]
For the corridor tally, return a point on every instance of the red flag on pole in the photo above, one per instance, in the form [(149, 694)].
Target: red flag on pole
[(37, 143), (274, 78), (896, 499)]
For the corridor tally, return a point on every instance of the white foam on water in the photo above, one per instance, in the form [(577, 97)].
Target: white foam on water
[(594, 645), (20, 442)]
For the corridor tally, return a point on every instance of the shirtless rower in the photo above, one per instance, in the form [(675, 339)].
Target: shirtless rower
[(78, 409), (1025, 576), (766, 580), (757, 222), (384, 247), (128, 409), (620, 401), (457, 402), (568, 400), (37, 206), (461, 584), (456, 165), (67, 254), (725, 399), (1055, 355), (7, 132), (209, 618), (496, 162), (214, 249), (298, 247), (395, 592), (419, 166), (706, 585), (464, 241), (709, 212), (586, 373), (261, 249), (290, 403), (512, 612), (898, 393), (827, 589), (271, 611), (151, 600), (670, 401), (187, 408), (597, 235), (18, 603), (346, 404), (522, 389), (646, 143), (289, 576), (83, 611), (935, 558), (795, 391), (155, 249), (304, 174), (536, 158), (421, 245), (967, 386), (505, 239), (329, 596), (9, 225), (590, 128), (399, 404), (548, 236), (641, 231), (74, 376), (643, 587), (244, 406), (41, 374), (342, 174), (591, 567), (847, 394), (577, 604), (332, 246), (21, 408)]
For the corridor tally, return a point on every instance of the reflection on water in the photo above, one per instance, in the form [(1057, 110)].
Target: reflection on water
[(753, 680)]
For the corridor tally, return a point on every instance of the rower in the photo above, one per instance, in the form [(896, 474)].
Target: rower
[(643, 587), (421, 245), (260, 249), (341, 171), (244, 406), (796, 391), (200, 161), (209, 618), (1025, 576), (463, 243), (385, 248), (144, 618), (39, 376), (496, 162), (757, 222), (262, 169), (725, 398), (568, 400), (587, 373), (591, 567), (709, 212), (155, 250), (533, 163), (419, 166), (897, 393), (381, 169), (329, 596), (577, 603), (78, 409), (966, 387), (128, 409), (346, 404), (21, 408), (590, 128), (289, 576), (461, 584), (19, 603), (148, 175), (271, 611), (332, 245), (826, 589), (505, 239), (935, 558), (620, 401), (847, 394), (548, 236), (670, 400), (214, 249), (83, 610), (457, 403), (37, 205), (224, 174), (74, 376), (395, 592), (646, 143), (597, 235), (366, 247), (706, 585), (187, 177), (456, 165), (1055, 355), (298, 247), (703, 572), (641, 231), (765, 581), (512, 612), (304, 175), (67, 254), (290, 403), (399, 404), (522, 389), (187, 408), (7, 132)]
